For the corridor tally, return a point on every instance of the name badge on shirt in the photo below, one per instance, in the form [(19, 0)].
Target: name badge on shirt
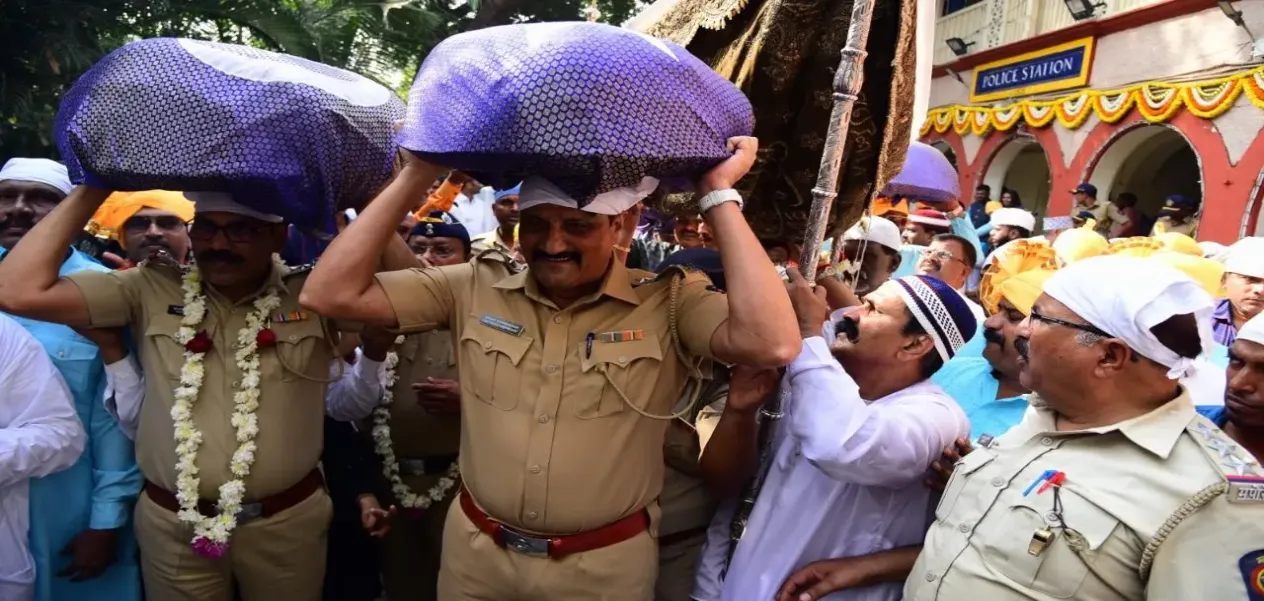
[(504, 325), (1246, 489), (175, 310)]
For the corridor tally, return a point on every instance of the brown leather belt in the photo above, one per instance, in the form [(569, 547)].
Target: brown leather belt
[(262, 508), (668, 540), (555, 547)]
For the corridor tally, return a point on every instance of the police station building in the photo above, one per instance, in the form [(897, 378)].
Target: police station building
[(1149, 97)]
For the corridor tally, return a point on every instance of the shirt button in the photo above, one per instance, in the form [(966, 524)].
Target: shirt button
[(551, 368), (535, 469), (558, 319), (930, 577), (998, 482), (236, 383), (293, 338), (487, 345), (531, 515), (544, 419), (61, 354), (1046, 441), (623, 359), (964, 528)]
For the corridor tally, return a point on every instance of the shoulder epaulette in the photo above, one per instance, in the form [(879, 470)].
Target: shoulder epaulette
[(498, 256), (670, 272), (1225, 454)]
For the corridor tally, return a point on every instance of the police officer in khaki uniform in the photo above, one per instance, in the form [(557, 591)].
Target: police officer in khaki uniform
[(568, 374), (1112, 487), (277, 550), (425, 424)]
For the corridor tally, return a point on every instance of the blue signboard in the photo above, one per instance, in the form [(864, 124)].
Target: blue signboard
[(1057, 68)]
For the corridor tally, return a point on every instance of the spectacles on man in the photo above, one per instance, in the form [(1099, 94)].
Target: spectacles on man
[(944, 255), (140, 225), (441, 250), (239, 232), (1083, 327)]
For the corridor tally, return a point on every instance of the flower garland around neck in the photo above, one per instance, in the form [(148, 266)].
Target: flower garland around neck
[(211, 533), (385, 447)]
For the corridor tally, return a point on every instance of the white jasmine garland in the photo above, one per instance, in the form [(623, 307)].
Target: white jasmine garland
[(382, 443), (211, 533)]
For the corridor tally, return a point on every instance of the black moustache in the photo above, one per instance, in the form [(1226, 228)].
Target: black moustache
[(850, 329), (1020, 345), (543, 256), (222, 256), (991, 335)]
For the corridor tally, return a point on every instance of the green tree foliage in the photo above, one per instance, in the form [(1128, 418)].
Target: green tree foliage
[(47, 44)]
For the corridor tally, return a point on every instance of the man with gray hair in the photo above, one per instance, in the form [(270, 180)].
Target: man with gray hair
[(1112, 486)]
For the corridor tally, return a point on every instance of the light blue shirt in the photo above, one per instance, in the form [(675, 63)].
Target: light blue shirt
[(911, 254), (99, 490), (969, 381)]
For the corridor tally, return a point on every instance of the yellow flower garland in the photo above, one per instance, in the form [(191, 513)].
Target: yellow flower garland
[(1156, 101)]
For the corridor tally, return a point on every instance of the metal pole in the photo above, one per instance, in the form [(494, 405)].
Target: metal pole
[(847, 83)]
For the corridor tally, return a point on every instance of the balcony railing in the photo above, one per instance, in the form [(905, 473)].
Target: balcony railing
[(998, 22)]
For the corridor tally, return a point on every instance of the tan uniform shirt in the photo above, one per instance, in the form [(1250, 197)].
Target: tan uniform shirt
[(549, 442), (490, 240), (418, 433), (1123, 484), (1189, 227), (293, 377), (685, 500)]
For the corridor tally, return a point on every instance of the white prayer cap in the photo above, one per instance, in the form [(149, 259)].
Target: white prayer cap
[(222, 202), (40, 171), (1014, 218), (1213, 250), (1253, 330), (878, 230), (1246, 257), (1126, 296), (538, 191)]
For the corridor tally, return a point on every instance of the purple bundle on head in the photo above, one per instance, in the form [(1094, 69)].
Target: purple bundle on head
[(283, 135), (927, 176), (587, 106)]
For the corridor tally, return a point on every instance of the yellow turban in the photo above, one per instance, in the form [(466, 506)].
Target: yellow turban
[(1012, 260), (1079, 244), (1207, 272), (1136, 246), (1178, 242), (1023, 289), (881, 206), (120, 206)]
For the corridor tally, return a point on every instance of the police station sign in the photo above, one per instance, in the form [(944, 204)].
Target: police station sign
[(1058, 67)]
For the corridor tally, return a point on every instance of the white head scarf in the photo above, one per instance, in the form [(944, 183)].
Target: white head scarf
[(40, 171), (1246, 257), (1126, 296), (537, 191), (1253, 330), (220, 202), (877, 230)]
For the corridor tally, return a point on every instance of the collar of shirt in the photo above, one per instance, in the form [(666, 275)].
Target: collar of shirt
[(1223, 311), (1156, 431), (493, 238), (616, 285)]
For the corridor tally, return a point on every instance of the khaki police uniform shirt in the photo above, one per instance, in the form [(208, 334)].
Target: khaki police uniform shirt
[(686, 502), (550, 444), (291, 411), (415, 432), (1123, 484)]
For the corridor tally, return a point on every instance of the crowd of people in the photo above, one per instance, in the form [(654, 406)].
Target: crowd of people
[(473, 393)]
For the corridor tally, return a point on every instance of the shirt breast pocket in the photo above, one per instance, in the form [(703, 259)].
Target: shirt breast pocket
[(78, 361), (1060, 567), (952, 490), (161, 333), (297, 343), (491, 369), (616, 374)]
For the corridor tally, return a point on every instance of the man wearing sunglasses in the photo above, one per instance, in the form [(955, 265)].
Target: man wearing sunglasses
[(79, 516), (149, 225), (278, 545)]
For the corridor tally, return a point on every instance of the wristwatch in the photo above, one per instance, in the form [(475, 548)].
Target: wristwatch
[(717, 198)]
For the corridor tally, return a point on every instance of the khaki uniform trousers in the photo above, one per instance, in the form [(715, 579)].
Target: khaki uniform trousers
[(474, 568), (677, 566), (410, 551), (273, 558)]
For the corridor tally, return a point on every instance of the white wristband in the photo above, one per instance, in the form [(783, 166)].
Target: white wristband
[(718, 197)]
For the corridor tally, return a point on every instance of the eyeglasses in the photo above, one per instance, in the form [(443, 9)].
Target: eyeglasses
[(943, 255), (1083, 327), (140, 225), (442, 251), (239, 232)]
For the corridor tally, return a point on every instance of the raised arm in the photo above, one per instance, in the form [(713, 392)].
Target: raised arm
[(761, 330), (29, 284), (853, 441), (341, 285)]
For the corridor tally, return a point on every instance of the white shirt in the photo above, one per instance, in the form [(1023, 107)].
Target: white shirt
[(846, 480), (476, 213), (39, 434), (353, 396)]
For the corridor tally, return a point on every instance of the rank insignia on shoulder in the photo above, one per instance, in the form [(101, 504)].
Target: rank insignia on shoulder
[(290, 316), (623, 336), (1252, 567), (1246, 489), (503, 325), (175, 310)]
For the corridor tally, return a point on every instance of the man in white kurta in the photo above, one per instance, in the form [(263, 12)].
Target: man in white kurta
[(846, 474), (40, 434)]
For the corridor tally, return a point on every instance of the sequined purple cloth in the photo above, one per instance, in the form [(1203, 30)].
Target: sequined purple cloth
[(927, 176), (588, 106), (282, 134)]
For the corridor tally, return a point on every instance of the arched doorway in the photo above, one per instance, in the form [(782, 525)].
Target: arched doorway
[(1021, 165), (951, 154), (1152, 161)]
